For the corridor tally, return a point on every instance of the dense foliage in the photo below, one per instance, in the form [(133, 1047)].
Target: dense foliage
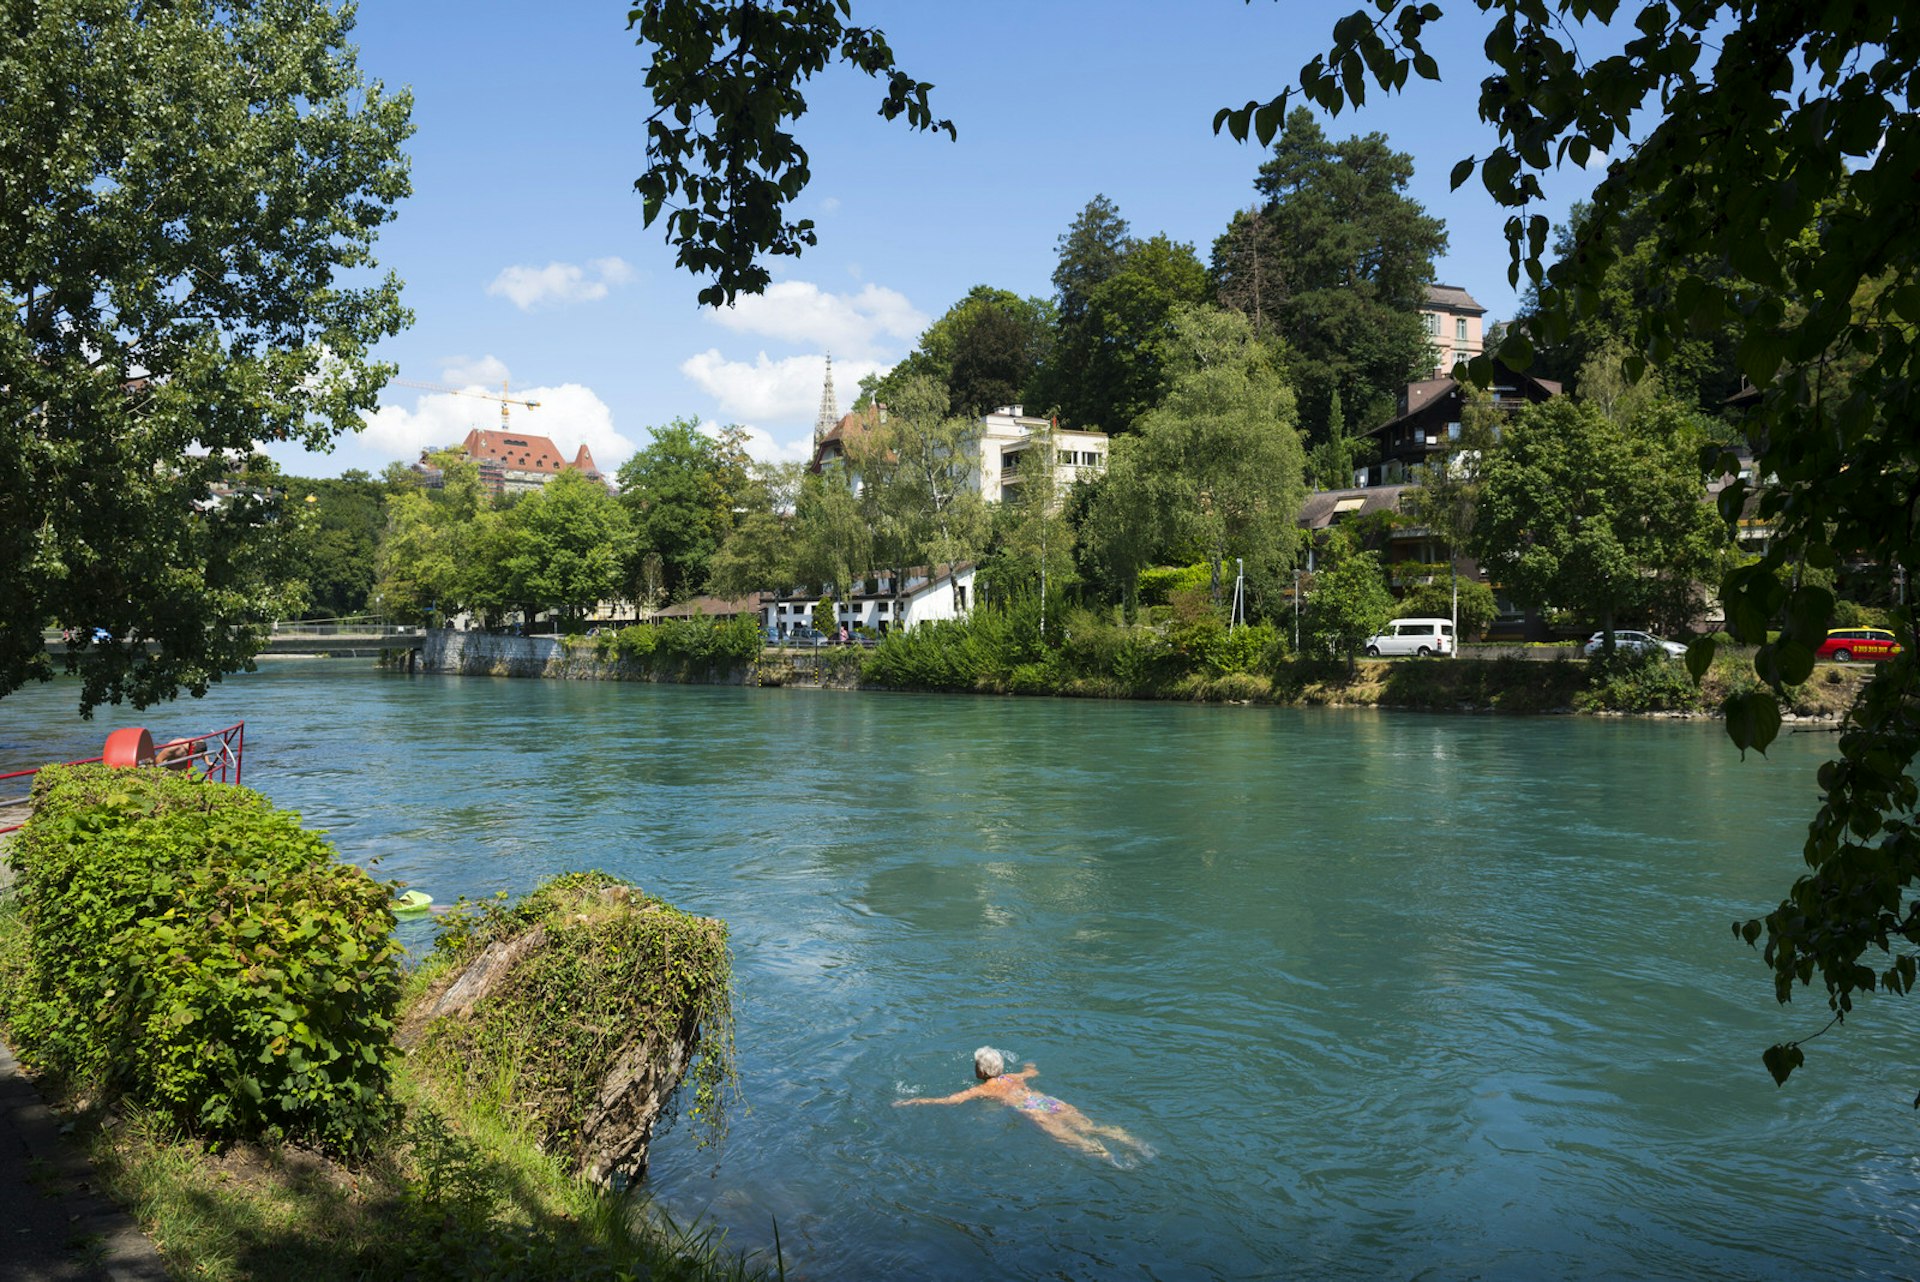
[(1605, 518), (618, 970), (682, 646), (193, 195), (198, 952)]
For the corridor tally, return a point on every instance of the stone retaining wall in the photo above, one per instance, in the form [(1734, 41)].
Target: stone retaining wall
[(482, 654)]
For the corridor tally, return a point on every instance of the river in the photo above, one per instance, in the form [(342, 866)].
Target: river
[(1389, 995)]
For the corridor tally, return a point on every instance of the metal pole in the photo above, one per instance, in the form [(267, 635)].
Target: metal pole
[(1296, 610), (1453, 573)]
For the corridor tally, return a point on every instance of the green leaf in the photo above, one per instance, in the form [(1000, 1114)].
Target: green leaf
[(1461, 172), (1752, 719), (1700, 657), (1781, 1060)]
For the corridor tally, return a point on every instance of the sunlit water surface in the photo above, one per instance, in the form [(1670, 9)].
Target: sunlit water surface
[(1390, 995)]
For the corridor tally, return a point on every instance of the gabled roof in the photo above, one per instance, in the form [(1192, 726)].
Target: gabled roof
[(1452, 298), (851, 427), (1424, 394), (1319, 510)]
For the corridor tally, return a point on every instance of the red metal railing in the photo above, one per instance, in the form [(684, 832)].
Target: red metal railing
[(215, 755)]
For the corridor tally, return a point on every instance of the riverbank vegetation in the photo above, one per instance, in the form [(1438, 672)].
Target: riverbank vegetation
[(214, 998), (1197, 657)]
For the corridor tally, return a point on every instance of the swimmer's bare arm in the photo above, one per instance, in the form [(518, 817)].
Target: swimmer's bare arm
[(974, 1092)]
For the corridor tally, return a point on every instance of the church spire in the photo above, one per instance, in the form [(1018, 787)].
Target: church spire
[(829, 408)]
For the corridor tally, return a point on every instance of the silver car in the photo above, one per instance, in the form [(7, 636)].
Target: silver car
[(1628, 640)]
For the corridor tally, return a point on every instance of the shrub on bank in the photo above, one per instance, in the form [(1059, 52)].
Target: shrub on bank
[(683, 645), (617, 974), (194, 949), (1639, 681)]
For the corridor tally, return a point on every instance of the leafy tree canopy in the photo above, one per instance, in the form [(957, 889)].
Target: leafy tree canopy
[(1090, 251), (1108, 368), (1606, 519), (984, 353), (1703, 366), (725, 78), (187, 187), (1222, 448), (335, 536), (681, 493), (560, 548)]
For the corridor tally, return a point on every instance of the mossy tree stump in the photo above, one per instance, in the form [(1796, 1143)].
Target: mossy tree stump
[(576, 1014)]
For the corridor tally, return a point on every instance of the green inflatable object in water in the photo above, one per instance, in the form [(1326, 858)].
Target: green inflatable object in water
[(413, 902)]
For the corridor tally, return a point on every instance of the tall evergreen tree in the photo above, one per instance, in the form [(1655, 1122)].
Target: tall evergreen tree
[(1335, 260)]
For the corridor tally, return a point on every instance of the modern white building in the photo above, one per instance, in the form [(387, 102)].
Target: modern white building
[(1008, 450), (945, 592)]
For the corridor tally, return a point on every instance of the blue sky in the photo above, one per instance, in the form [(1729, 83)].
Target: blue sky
[(523, 254)]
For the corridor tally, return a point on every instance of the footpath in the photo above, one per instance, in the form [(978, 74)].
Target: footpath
[(55, 1224)]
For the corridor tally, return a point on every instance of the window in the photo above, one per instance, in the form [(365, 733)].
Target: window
[(1433, 323), (1415, 630), (960, 596), (1460, 330)]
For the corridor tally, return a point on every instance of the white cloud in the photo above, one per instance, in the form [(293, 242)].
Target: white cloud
[(769, 391), (863, 325), (570, 414), (614, 271), (464, 371), (558, 284)]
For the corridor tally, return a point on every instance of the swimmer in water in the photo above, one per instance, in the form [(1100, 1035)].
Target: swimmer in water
[(1056, 1117)]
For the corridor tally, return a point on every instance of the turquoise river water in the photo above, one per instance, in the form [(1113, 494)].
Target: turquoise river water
[(1390, 995)]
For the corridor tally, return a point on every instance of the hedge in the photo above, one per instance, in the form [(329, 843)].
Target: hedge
[(196, 950)]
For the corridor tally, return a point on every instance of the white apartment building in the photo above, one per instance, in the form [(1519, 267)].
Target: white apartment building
[(1007, 452)]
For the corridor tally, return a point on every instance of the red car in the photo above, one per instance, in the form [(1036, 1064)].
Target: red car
[(1844, 645)]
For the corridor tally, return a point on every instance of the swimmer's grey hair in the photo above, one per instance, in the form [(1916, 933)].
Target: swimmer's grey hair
[(988, 1062)]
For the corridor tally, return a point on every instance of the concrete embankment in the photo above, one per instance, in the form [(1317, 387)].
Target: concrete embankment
[(482, 654)]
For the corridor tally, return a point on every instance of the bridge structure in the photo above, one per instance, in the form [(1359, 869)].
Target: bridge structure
[(358, 637)]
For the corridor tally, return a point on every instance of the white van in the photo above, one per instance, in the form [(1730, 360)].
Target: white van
[(1412, 636)]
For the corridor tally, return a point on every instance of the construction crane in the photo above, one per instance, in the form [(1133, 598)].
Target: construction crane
[(504, 399)]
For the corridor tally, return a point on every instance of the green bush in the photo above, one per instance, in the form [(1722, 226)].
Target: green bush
[(1158, 584), (688, 644), (618, 969), (198, 951), (1639, 681)]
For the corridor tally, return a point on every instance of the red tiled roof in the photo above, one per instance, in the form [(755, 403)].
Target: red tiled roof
[(520, 452)]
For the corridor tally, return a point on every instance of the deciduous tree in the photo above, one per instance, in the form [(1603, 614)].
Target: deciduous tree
[(1579, 512), (192, 196), (1108, 368), (1223, 449), (680, 493)]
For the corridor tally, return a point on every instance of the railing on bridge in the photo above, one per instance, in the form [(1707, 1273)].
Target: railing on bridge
[(357, 625), (214, 755)]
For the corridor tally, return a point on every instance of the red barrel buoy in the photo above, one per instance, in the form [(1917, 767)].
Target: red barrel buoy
[(128, 746)]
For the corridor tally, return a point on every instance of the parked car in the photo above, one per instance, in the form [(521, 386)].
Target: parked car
[(1844, 645), (1626, 639), (1412, 636)]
